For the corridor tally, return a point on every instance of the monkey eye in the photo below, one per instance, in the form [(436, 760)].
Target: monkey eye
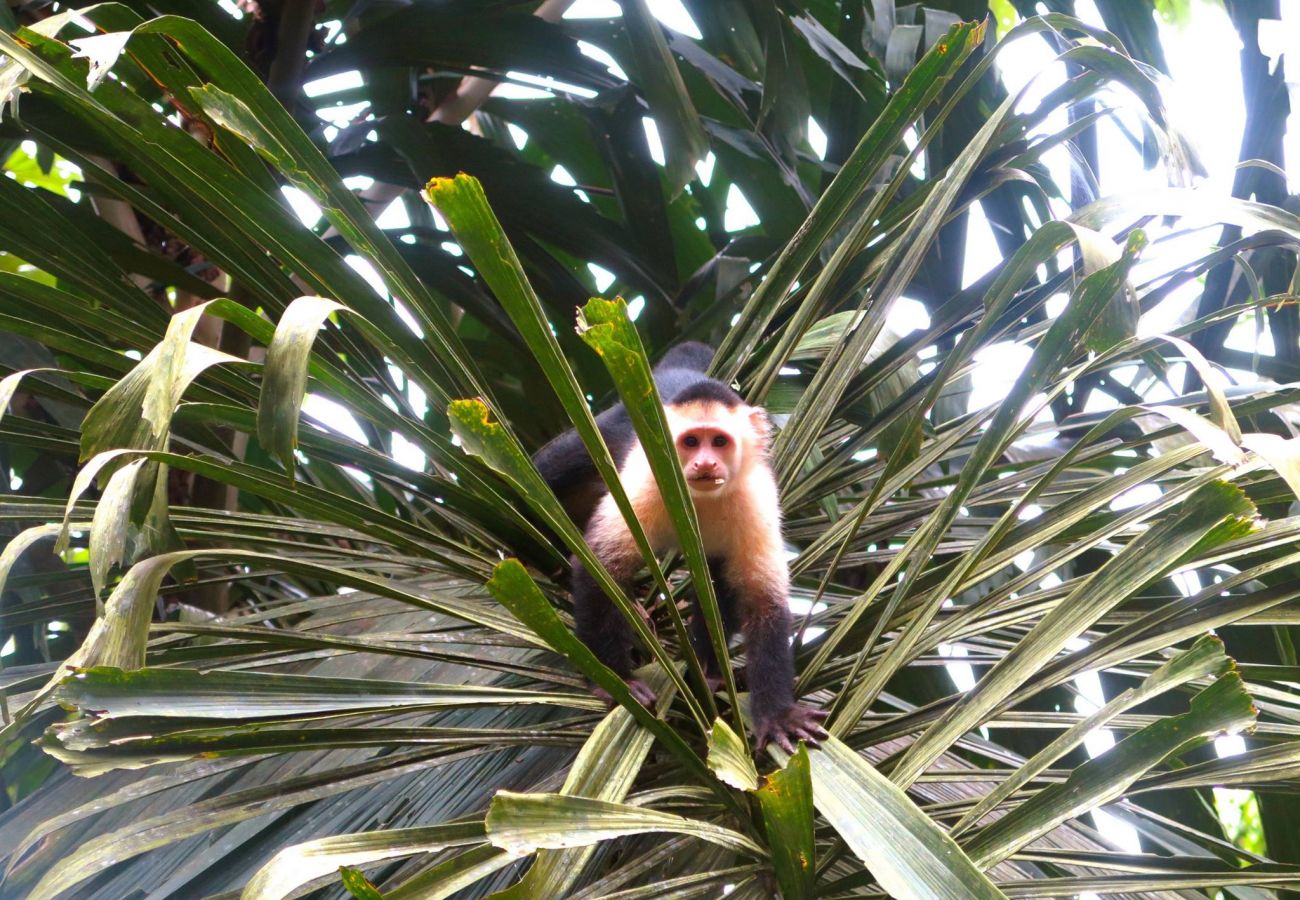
[(691, 440), (720, 441)]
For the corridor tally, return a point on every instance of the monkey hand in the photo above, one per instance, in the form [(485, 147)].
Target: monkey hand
[(794, 723), (639, 689)]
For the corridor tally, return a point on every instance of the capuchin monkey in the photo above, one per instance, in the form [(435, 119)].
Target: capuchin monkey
[(722, 445)]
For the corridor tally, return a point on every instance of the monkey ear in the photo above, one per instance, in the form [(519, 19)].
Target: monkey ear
[(761, 424)]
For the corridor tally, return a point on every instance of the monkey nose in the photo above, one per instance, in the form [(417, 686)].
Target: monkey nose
[(704, 475)]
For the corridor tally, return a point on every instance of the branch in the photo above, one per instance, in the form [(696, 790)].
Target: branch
[(297, 19), (472, 92)]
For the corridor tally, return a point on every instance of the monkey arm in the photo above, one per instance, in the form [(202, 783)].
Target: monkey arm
[(769, 657), (600, 625), (769, 666)]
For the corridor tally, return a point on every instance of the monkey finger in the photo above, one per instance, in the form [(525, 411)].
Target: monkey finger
[(604, 696), (643, 693), (809, 736), (783, 741)]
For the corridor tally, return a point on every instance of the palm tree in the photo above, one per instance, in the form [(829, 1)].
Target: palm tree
[(285, 593)]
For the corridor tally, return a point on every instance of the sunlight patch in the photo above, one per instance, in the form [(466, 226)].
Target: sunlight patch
[(672, 14), (343, 115), (395, 216), (604, 277), (740, 215), (907, 315), (305, 208), (816, 138), (652, 139), (333, 416), (523, 81), (962, 674), (997, 367), (404, 313), (407, 454), (363, 267), (1143, 493), (594, 9), (704, 168), (330, 84), (602, 56), (511, 90), (982, 251)]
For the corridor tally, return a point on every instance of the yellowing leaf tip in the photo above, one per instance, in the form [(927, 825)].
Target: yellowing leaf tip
[(472, 408)]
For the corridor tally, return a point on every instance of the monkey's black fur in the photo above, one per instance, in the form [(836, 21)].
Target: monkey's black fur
[(729, 604)]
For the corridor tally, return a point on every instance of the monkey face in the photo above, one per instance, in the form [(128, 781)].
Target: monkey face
[(715, 443), (710, 456)]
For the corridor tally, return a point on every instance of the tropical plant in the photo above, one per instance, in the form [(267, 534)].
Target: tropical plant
[(261, 656)]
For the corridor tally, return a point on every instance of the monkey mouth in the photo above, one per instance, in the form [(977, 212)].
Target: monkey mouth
[(706, 482)]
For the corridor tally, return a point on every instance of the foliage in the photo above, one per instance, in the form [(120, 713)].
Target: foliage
[(286, 596)]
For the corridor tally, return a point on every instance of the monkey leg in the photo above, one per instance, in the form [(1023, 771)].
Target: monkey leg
[(605, 632)]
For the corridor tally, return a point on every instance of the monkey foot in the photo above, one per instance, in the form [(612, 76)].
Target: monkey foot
[(794, 723), (639, 689)]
